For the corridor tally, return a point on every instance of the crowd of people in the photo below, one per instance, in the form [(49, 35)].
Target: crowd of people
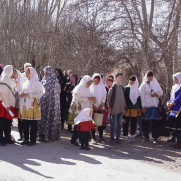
[(44, 104)]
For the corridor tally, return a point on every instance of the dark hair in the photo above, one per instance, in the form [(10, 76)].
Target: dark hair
[(1, 70), (97, 77), (110, 76), (60, 73), (149, 73), (76, 77), (132, 77), (118, 74)]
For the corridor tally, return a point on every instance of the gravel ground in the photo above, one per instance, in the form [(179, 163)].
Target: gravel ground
[(62, 161)]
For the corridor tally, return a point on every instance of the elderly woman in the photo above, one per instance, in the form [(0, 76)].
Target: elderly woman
[(174, 107), (82, 99), (150, 92), (30, 113), (50, 124), (7, 104)]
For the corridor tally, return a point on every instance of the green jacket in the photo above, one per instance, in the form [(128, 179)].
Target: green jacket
[(128, 101)]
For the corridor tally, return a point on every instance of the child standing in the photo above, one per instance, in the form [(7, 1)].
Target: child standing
[(84, 124)]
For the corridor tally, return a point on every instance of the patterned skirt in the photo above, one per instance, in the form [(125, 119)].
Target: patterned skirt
[(132, 113), (152, 113)]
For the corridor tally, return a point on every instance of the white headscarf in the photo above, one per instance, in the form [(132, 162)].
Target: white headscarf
[(20, 80), (83, 116), (154, 84), (27, 64), (98, 91), (176, 87), (31, 86), (81, 89), (134, 91), (6, 76)]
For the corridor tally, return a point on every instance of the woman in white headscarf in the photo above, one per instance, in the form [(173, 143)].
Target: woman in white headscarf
[(29, 106), (150, 92), (98, 90), (133, 111), (7, 103), (81, 99), (19, 80), (174, 107)]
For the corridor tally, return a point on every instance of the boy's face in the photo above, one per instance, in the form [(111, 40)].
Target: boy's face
[(119, 79), (96, 81)]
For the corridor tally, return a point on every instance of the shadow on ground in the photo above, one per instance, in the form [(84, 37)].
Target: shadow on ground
[(57, 153)]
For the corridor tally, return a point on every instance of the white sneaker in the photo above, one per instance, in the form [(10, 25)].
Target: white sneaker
[(127, 140), (132, 139), (93, 141)]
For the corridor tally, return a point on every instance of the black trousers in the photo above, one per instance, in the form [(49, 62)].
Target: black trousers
[(146, 128), (20, 127), (69, 127), (133, 122), (84, 138), (100, 130), (5, 127), (178, 134), (30, 128), (75, 134)]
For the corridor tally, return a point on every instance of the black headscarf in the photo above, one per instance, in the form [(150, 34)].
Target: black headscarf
[(1, 70), (61, 78)]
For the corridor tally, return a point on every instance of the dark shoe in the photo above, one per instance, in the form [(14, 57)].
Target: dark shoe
[(146, 140), (25, 142), (171, 139), (138, 135), (112, 141), (74, 143), (10, 142), (118, 141), (70, 131), (31, 144), (155, 141), (3, 143), (101, 140), (173, 145), (177, 146), (20, 139), (87, 148), (82, 147)]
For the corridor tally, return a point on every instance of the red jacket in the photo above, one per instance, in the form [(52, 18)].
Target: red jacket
[(86, 126)]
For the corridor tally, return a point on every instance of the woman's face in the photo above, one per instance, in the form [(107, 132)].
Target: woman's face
[(42, 74), (15, 75), (57, 73), (27, 73), (88, 84), (96, 81), (176, 81), (72, 79), (150, 78), (131, 82)]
